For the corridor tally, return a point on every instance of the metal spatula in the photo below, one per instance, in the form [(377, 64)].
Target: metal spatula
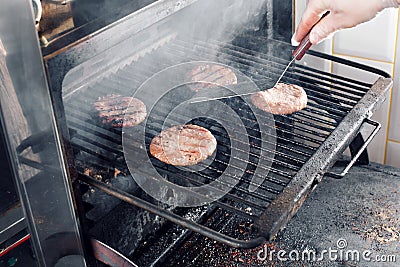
[(297, 54)]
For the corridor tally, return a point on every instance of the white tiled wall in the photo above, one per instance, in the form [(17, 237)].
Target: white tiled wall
[(375, 39), (393, 154), (394, 130), (374, 43)]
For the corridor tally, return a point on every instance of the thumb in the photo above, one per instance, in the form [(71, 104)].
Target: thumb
[(325, 28)]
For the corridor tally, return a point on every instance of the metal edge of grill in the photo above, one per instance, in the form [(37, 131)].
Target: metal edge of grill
[(301, 185)]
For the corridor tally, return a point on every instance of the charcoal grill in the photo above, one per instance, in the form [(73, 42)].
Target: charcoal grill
[(307, 142), (271, 166)]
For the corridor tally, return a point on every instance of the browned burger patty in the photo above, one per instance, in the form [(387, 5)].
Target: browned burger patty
[(183, 145), (282, 99), (210, 73), (120, 111)]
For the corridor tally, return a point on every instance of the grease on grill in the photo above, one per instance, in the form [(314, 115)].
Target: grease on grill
[(99, 173)]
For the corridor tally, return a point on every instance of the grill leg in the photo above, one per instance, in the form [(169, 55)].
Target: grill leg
[(355, 146)]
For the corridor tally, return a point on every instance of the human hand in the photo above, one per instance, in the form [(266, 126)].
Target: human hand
[(343, 14)]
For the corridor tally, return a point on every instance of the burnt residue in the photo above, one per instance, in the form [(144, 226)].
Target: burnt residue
[(377, 219), (201, 251)]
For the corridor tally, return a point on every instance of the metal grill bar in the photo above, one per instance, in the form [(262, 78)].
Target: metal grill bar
[(353, 95), (184, 119), (351, 86), (265, 199), (250, 60), (297, 127), (81, 103), (150, 66), (111, 145), (78, 104), (303, 137), (326, 100), (348, 83), (316, 105)]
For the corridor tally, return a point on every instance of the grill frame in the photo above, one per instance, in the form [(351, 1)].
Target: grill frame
[(288, 201)]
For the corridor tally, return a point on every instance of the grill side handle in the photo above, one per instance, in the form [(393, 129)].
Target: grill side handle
[(377, 126)]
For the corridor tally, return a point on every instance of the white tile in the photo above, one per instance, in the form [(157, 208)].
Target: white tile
[(358, 74), (394, 131), (393, 154), (375, 39), (377, 147), (300, 6), (324, 47)]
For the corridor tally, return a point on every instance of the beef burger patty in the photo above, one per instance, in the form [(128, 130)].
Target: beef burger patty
[(211, 73), (282, 99), (120, 111), (183, 145)]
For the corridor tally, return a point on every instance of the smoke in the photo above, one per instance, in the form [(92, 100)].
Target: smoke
[(199, 24), (221, 20), (206, 26)]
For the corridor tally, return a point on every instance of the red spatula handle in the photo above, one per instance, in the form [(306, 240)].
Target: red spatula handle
[(302, 48), (305, 44)]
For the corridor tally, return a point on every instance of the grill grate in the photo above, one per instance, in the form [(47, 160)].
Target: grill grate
[(299, 135)]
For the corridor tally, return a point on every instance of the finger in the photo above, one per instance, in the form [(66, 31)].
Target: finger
[(325, 28), (312, 14)]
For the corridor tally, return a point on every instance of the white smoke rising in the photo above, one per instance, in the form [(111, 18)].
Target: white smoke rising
[(221, 19)]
